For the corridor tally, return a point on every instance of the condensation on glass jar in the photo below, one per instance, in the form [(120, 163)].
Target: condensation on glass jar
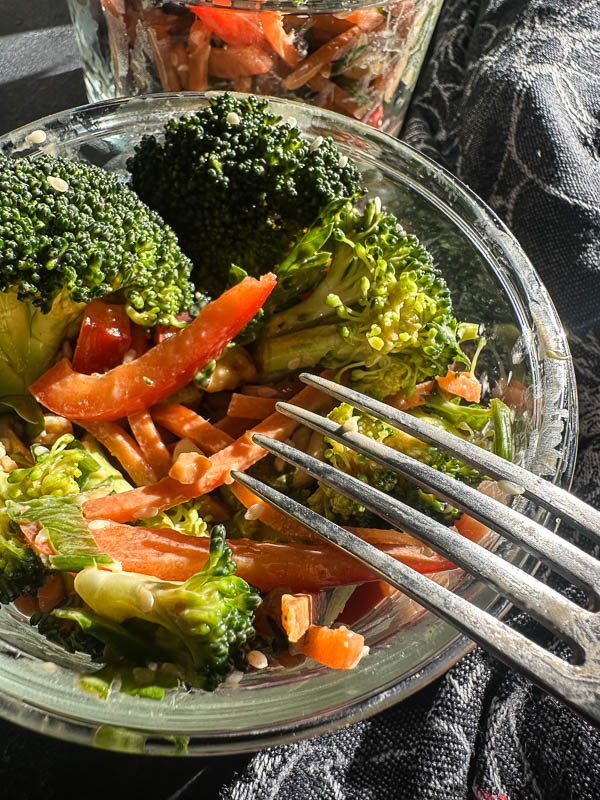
[(348, 56)]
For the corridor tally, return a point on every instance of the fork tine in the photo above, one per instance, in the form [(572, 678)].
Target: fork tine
[(547, 670), (538, 599), (557, 500), (565, 557)]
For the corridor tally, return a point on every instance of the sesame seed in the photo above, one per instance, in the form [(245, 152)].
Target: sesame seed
[(129, 356), (233, 118), (316, 143), (292, 122), (351, 424), (36, 137), (294, 363), (57, 183), (343, 160), (257, 659), (98, 524), (255, 511)]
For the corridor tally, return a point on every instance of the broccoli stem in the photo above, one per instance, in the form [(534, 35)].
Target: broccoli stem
[(306, 348)]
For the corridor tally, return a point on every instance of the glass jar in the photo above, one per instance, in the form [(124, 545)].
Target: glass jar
[(348, 56)]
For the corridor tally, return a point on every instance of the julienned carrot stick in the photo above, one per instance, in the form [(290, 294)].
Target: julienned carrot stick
[(238, 61), (313, 64), (198, 55), (280, 41), (124, 449), (185, 423), (235, 426), (169, 555), (242, 405), (150, 443), (334, 97), (338, 648), (189, 467), (462, 384), (367, 19), (241, 454), (300, 611)]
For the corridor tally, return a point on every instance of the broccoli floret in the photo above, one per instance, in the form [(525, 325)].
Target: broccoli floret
[(186, 518), (381, 309), (348, 512), (56, 472), (71, 232), (201, 625), (21, 569), (238, 185), (67, 627)]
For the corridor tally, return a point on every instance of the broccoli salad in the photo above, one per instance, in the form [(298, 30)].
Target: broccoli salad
[(148, 330)]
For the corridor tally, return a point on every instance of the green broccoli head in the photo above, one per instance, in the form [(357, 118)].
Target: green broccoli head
[(71, 232), (381, 308), (201, 624), (238, 185)]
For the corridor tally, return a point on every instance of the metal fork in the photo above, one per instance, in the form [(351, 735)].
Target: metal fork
[(577, 683)]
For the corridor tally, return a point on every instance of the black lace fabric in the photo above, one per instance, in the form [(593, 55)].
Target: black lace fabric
[(509, 102)]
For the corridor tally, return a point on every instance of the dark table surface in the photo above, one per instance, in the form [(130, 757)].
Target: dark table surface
[(40, 73)]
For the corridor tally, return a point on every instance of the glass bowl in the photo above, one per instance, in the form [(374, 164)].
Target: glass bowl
[(526, 362), (364, 56)]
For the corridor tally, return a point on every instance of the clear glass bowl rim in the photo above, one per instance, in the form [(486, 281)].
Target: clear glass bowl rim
[(555, 370), (302, 7)]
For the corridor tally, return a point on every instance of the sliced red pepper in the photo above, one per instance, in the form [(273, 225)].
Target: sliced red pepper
[(164, 369), (162, 332), (104, 337), (230, 25)]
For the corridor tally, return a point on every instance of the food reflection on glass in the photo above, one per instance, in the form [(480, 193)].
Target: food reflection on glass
[(151, 328), (361, 62)]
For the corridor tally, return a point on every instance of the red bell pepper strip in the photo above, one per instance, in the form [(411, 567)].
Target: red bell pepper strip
[(231, 25), (162, 370), (172, 556), (104, 337)]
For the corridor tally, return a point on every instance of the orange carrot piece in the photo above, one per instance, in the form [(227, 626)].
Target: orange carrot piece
[(238, 61), (281, 42), (242, 405), (240, 454), (172, 556), (189, 467), (462, 384), (198, 54), (401, 401), (52, 592), (235, 426), (300, 611), (471, 528), (335, 98), (313, 64), (338, 648), (186, 424), (124, 449), (148, 438), (367, 19), (27, 605)]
